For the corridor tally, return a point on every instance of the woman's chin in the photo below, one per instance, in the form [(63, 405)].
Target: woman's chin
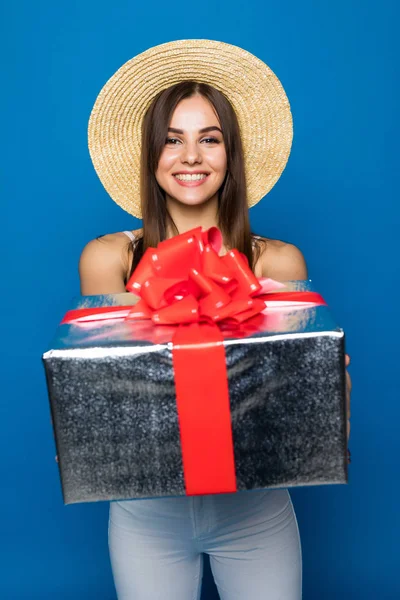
[(189, 200)]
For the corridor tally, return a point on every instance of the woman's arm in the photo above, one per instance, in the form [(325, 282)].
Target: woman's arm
[(103, 265)]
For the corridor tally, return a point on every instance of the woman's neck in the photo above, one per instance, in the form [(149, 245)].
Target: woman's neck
[(187, 217)]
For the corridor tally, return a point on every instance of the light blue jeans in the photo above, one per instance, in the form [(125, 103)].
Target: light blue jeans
[(252, 538)]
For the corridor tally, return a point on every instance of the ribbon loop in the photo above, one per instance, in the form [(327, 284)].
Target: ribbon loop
[(248, 283), (182, 311)]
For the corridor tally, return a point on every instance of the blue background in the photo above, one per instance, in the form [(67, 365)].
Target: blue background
[(335, 200)]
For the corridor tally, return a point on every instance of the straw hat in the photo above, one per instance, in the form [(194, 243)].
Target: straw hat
[(254, 91)]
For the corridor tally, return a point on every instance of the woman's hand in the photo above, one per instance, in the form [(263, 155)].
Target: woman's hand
[(348, 392)]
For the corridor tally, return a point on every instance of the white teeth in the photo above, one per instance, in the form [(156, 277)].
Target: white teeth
[(196, 177)]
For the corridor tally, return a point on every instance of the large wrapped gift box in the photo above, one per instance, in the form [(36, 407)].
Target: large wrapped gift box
[(122, 430)]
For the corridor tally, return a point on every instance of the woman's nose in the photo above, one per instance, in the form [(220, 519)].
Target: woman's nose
[(191, 153)]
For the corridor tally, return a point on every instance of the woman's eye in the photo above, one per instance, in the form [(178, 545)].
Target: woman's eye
[(211, 140), (172, 141)]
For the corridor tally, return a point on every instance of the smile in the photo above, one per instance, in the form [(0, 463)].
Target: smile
[(187, 177), (191, 180)]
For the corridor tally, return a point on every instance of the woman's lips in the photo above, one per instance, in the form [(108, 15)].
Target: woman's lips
[(193, 183)]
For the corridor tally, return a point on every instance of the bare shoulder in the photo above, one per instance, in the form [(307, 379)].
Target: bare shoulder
[(106, 248), (280, 260), (104, 263)]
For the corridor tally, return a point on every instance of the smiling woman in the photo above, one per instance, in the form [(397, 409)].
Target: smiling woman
[(191, 134)]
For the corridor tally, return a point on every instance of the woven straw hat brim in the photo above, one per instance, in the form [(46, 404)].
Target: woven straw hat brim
[(256, 94)]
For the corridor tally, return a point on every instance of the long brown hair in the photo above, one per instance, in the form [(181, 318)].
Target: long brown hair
[(233, 219)]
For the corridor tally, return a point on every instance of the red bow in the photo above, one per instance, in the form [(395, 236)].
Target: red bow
[(184, 280)]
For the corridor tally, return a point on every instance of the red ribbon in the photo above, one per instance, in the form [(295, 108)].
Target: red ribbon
[(186, 284)]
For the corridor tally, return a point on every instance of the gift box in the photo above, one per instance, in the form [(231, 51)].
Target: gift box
[(149, 407)]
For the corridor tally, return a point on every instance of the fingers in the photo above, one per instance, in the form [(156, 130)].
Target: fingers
[(348, 384), (348, 393)]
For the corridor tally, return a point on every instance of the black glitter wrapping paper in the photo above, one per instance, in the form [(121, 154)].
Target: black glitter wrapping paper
[(114, 408)]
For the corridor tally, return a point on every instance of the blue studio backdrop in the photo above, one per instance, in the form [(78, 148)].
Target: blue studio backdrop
[(335, 200)]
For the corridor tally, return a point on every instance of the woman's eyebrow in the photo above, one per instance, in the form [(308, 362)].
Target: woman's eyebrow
[(204, 130)]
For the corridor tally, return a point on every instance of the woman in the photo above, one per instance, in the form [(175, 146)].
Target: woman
[(193, 173)]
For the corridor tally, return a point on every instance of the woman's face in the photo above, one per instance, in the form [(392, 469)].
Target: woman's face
[(192, 165)]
